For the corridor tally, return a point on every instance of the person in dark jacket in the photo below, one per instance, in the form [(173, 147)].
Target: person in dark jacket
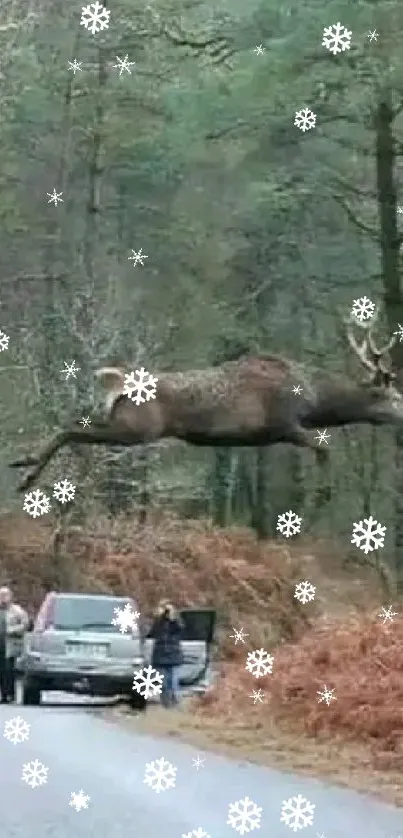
[(167, 630)]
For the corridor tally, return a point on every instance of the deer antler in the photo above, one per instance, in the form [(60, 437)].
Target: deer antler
[(361, 350), (375, 363)]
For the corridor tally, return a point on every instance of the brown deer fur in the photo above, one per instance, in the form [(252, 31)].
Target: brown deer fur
[(245, 402)]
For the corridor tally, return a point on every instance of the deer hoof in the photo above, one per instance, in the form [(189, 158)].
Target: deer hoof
[(27, 461)]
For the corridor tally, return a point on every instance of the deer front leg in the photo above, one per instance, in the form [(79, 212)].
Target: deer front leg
[(301, 437), (100, 432)]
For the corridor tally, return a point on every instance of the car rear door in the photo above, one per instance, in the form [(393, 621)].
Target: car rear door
[(197, 642)]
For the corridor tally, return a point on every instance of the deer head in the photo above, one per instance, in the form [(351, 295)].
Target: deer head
[(385, 401)]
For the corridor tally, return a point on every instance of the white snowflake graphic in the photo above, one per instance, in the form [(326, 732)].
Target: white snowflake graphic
[(55, 197), (34, 773), (259, 663), (4, 340), (160, 775), (196, 833), (305, 119), (257, 695), (125, 618), (297, 390), (399, 332), (36, 503), (144, 384), (85, 421), (147, 682), (79, 800), (387, 614), (323, 436), (244, 815), (239, 635), (373, 36), (297, 812), (124, 64), (70, 369), (95, 17), (198, 762), (137, 257), (289, 523), (64, 491), (16, 730), (336, 38), (304, 592), (368, 535), (75, 66), (259, 50), (363, 309), (326, 695)]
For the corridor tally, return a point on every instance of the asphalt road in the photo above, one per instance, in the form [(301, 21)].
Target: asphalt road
[(82, 751)]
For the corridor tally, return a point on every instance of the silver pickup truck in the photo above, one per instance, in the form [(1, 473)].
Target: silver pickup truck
[(73, 646)]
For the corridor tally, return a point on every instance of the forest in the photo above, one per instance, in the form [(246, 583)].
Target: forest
[(254, 236)]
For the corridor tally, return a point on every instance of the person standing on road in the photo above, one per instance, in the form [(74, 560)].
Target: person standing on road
[(13, 625), (167, 631)]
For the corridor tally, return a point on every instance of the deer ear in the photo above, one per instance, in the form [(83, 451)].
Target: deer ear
[(111, 378)]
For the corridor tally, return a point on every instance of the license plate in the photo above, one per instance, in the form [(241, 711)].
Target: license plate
[(86, 650)]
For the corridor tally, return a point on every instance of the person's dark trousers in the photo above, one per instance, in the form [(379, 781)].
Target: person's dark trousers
[(170, 685), (7, 679)]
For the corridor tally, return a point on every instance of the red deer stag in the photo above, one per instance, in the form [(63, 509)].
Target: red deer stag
[(252, 401)]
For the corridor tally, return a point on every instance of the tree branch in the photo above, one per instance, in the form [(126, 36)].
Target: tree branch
[(357, 221)]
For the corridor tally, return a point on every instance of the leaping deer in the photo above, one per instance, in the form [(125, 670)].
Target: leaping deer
[(252, 401)]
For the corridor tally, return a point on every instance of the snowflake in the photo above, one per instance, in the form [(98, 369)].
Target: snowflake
[(387, 614), (147, 682), (85, 421), (196, 833), (4, 339), (299, 814), (363, 309), (145, 383), (137, 257), (373, 36), (326, 695), (79, 800), (368, 535), (16, 730), (239, 635), (36, 503), (399, 332), (400, 210), (289, 523), (323, 436), (244, 815), (95, 17), (198, 762), (304, 592), (297, 390), (160, 775), (259, 50), (70, 369), (257, 695), (125, 618), (54, 197), (124, 64), (64, 491), (75, 66), (336, 38), (305, 119), (34, 773), (260, 661)]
